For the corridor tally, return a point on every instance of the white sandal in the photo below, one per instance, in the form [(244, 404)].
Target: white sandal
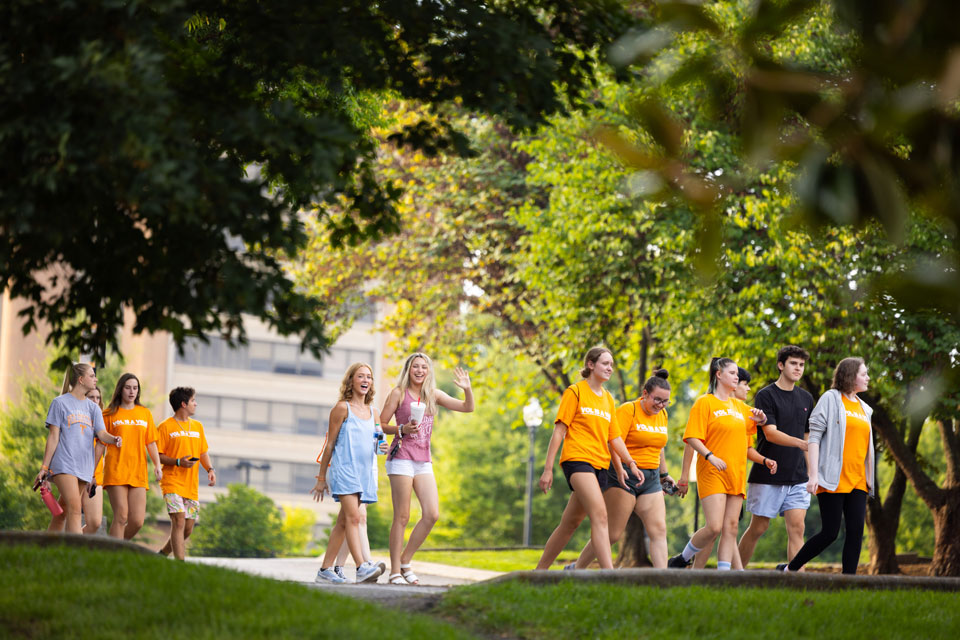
[(398, 579), (407, 573)]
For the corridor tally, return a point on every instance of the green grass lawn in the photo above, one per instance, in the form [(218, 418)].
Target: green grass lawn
[(512, 560), (62, 592), (572, 610)]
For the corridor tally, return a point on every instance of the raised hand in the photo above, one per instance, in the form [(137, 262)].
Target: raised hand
[(461, 378)]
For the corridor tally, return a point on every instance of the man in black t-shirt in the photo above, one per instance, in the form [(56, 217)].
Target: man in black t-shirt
[(784, 439)]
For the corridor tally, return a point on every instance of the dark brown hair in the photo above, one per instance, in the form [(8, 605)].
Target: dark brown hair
[(180, 395), (117, 398), (791, 351), (845, 375), (657, 381)]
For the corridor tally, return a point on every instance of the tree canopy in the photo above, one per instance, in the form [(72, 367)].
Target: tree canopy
[(158, 154)]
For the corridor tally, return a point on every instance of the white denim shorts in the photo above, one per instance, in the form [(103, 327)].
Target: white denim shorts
[(408, 468), (771, 500)]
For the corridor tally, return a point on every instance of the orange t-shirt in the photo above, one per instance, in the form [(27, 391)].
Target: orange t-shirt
[(128, 464), (591, 423), (644, 435), (98, 472), (178, 439), (726, 428), (856, 442)]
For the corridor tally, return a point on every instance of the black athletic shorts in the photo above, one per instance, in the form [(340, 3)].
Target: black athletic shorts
[(571, 467)]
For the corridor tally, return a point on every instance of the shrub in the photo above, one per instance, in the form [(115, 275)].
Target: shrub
[(243, 523), (297, 530)]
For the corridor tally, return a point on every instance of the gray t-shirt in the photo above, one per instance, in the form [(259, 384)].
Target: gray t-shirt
[(79, 422)]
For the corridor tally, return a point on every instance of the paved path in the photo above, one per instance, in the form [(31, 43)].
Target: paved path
[(435, 579)]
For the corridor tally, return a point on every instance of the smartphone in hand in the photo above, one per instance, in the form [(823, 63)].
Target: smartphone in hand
[(193, 459)]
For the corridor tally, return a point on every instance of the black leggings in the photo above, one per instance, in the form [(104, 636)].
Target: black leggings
[(853, 507)]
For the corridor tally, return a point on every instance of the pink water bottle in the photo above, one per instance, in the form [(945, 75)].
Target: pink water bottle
[(51, 502)]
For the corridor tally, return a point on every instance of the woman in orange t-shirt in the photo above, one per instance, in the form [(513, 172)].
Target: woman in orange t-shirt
[(720, 429), (586, 426), (841, 465), (643, 427), (125, 470)]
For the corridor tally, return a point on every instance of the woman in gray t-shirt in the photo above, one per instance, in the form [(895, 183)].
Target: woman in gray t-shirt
[(73, 421)]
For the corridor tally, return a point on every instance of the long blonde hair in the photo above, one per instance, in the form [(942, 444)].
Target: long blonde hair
[(428, 390), (346, 386), (74, 371)]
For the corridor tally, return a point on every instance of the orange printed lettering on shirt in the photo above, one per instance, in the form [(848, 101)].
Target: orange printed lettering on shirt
[(79, 419)]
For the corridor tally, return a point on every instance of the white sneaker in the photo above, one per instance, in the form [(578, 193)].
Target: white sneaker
[(328, 575), (370, 571)]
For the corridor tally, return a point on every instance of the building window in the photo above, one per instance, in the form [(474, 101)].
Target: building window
[(241, 414), (271, 357), (280, 477)]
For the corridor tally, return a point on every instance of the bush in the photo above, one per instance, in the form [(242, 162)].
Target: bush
[(244, 523), (297, 530)]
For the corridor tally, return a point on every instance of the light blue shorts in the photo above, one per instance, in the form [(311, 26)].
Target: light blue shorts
[(771, 500)]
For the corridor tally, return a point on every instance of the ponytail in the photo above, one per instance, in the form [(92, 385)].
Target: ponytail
[(73, 373), (591, 358), (716, 365)]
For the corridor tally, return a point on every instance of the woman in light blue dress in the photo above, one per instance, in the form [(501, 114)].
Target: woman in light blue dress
[(353, 441)]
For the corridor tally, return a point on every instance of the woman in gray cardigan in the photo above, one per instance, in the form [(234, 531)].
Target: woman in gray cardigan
[(841, 462)]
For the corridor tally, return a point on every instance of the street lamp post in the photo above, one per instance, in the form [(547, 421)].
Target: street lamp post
[(246, 465), (532, 417)]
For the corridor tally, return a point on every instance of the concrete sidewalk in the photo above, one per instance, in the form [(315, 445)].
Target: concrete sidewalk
[(304, 570)]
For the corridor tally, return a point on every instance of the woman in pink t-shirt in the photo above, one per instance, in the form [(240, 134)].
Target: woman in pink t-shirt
[(408, 462)]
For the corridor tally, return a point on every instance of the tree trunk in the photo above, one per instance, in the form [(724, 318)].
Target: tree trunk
[(946, 525), (883, 518), (944, 503), (633, 547)]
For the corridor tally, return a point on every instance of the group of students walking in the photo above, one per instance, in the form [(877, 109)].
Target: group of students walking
[(614, 464), (89, 447), (612, 459)]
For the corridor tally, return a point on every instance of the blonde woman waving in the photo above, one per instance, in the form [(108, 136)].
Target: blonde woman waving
[(414, 402)]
